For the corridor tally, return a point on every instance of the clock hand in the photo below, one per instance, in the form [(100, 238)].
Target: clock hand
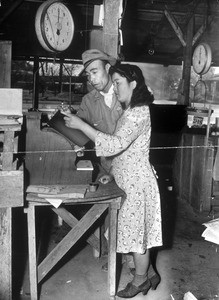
[(58, 27), (51, 26), (200, 56)]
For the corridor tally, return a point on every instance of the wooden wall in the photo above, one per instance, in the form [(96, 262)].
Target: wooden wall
[(192, 172)]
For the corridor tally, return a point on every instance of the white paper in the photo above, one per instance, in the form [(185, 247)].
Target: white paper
[(55, 202), (211, 233)]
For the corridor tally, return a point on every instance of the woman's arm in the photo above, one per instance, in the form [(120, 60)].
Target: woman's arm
[(132, 124)]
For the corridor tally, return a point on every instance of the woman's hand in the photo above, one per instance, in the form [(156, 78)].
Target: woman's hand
[(73, 121)]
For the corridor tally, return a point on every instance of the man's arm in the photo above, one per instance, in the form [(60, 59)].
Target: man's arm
[(84, 110)]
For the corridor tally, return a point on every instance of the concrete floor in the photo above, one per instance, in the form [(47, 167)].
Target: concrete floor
[(186, 262)]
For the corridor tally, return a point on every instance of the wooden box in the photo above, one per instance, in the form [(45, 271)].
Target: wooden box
[(11, 187), (11, 101)]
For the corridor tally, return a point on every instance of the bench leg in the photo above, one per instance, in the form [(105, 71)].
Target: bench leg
[(6, 253), (113, 209), (32, 252)]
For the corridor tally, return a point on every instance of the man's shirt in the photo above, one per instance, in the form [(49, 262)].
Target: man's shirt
[(94, 111)]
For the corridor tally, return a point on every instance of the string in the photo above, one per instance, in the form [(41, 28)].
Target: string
[(93, 150)]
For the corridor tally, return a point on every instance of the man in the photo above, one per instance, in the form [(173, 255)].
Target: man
[(100, 107)]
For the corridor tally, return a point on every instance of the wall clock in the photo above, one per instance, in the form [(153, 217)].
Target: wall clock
[(54, 26), (202, 58)]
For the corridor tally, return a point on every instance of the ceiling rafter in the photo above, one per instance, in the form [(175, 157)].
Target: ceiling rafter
[(11, 9)]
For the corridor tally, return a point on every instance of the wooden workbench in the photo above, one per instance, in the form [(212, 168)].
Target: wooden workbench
[(50, 160), (106, 197)]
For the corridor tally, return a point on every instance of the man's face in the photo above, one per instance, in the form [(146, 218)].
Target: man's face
[(97, 74)]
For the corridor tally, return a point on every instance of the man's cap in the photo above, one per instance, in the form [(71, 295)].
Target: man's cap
[(91, 55)]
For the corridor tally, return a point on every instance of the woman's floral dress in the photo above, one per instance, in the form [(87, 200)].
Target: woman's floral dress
[(139, 220)]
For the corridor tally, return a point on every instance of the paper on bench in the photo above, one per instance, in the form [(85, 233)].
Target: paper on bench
[(58, 191), (55, 202), (189, 296)]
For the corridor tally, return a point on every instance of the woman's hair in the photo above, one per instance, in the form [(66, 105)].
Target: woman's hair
[(141, 95)]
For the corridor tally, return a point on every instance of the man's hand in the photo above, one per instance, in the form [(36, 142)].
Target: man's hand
[(106, 178), (79, 150)]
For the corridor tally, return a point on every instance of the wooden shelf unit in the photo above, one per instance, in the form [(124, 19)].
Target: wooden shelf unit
[(11, 186)]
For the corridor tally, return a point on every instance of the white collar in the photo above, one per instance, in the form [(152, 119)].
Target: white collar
[(110, 92)]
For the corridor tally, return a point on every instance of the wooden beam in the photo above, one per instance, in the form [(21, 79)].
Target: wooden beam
[(202, 28), (187, 62), (199, 33), (175, 26), (156, 15)]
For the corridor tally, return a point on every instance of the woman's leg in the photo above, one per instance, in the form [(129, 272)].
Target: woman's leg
[(144, 270), (140, 282), (142, 262), (151, 269)]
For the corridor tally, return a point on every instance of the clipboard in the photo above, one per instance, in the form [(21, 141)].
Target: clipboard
[(76, 136)]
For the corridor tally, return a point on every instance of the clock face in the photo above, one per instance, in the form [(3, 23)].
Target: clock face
[(202, 58), (54, 26)]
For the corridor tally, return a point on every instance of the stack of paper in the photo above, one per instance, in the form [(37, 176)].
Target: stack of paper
[(58, 191), (10, 120), (211, 233), (189, 296)]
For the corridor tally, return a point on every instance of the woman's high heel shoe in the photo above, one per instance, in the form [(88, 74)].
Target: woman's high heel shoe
[(155, 280), (131, 290)]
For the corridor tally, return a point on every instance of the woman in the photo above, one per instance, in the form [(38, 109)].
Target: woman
[(139, 219)]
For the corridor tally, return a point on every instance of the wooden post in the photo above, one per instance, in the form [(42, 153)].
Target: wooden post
[(107, 39), (5, 64), (5, 212), (187, 61), (5, 253), (60, 75), (111, 26), (35, 103)]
